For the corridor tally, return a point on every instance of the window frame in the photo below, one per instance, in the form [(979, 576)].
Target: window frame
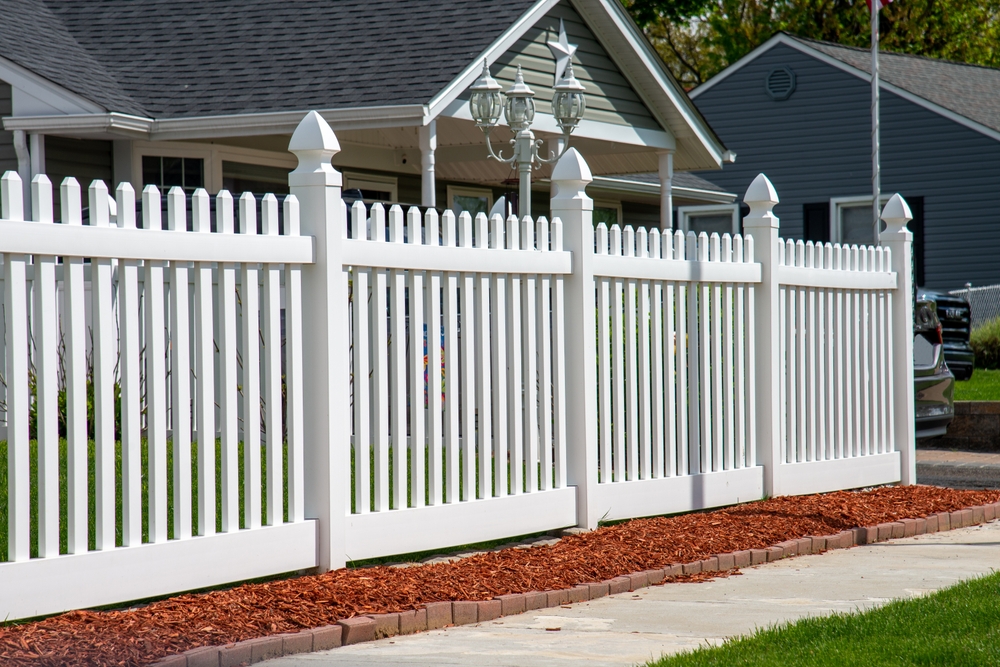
[(839, 203), (684, 214), (616, 205), (465, 191), (354, 180), (212, 154)]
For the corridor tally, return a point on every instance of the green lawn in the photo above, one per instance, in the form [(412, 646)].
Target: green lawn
[(983, 386), (959, 626)]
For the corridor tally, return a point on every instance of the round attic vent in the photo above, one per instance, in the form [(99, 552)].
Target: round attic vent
[(780, 83)]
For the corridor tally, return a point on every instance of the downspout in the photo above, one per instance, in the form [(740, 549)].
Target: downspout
[(23, 168)]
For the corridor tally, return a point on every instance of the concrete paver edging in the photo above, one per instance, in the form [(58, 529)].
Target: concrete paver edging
[(436, 615)]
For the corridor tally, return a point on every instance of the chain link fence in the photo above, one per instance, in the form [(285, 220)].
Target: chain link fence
[(984, 302)]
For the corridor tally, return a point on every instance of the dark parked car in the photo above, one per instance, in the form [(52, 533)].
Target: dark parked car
[(934, 384), (956, 325)]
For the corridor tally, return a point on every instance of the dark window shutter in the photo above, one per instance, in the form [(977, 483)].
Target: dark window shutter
[(816, 222), (917, 227)]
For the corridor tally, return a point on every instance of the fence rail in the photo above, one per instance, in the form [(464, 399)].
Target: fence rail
[(389, 381)]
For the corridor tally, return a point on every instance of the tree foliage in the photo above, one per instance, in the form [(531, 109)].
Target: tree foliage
[(698, 38)]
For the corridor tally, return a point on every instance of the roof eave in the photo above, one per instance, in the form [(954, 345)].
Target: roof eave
[(208, 127), (653, 190)]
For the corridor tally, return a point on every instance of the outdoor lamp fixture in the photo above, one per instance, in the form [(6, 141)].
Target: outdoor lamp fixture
[(568, 105)]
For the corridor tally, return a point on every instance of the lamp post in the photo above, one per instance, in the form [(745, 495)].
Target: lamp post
[(568, 105)]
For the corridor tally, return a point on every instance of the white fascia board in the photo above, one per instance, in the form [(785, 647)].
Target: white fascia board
[(653, 190), (285, 122), (614, 14), (209, 127), (40, 88), (861, 74), (500, 46), (587, 129), (91, 123)]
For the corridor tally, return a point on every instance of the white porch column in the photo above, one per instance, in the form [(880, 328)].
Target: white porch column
[(23, 169), (37, 145), (666, 189), (122, 163), (428, 144)]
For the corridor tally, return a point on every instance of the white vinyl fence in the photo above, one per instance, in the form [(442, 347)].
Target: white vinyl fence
[(330, 385)]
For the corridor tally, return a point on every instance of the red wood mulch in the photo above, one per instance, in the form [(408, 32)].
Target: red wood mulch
[(142, 636)]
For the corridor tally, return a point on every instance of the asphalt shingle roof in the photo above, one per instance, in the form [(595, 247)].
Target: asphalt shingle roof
[(164, 58), (968, 90), (682, 179)]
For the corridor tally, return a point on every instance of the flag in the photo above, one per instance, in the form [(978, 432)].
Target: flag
[(881, 4)]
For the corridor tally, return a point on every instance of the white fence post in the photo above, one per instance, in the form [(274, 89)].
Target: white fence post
[(316, 185), (571, 204), (762, 226), (899, 240)]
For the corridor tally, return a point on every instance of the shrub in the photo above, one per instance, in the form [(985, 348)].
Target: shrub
[(985, 342)]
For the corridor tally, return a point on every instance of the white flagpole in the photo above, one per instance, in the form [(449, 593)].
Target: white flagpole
[(876, 184)]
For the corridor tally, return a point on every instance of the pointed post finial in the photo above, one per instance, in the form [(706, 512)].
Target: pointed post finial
[(571, 176), (896, 214), (314, 144)]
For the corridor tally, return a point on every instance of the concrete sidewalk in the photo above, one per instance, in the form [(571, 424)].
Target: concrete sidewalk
[(631, 628)]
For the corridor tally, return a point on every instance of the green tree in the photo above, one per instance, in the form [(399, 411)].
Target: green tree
[(698, 38)]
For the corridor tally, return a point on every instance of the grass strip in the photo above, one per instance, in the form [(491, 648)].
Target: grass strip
[(957, 626), (984, 385)]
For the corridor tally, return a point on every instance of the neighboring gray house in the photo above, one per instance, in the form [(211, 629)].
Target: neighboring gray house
[(798, 110), (207, 94)]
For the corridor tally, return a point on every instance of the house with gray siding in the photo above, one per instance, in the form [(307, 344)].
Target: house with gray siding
[(799, 111), (208, 94)]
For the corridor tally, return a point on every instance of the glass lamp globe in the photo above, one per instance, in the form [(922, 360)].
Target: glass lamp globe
[(519, 109), (568, 101), (485, 101)]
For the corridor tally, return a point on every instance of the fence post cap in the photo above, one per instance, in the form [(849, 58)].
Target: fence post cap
[(896, 214), (570, 176), (572, 167), (761, 192), (313, 143)]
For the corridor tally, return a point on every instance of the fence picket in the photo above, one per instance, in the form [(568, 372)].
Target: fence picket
[(293, 371), (46, 379), (684, 465), (604, 391), (618, 363), (204, 351), (361, 313), (530, 362), (435, 381), (228, 399), (543, 302), (656, 350), (250, 335), (515, 402), (180, 371), (380, 368), (417, 448), (631, 370), (452, 405), (467, 337), (559, 363), (484, 440), (397, 368), (644, 372), (156, 388), (717, 415), (728, 348), (271, 321), (498, 336)]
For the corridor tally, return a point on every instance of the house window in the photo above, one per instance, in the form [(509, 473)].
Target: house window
[(608, 212), (167, 172), (372, 187), (239, 177), (473, 200), (719, 219), (851, 220)]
